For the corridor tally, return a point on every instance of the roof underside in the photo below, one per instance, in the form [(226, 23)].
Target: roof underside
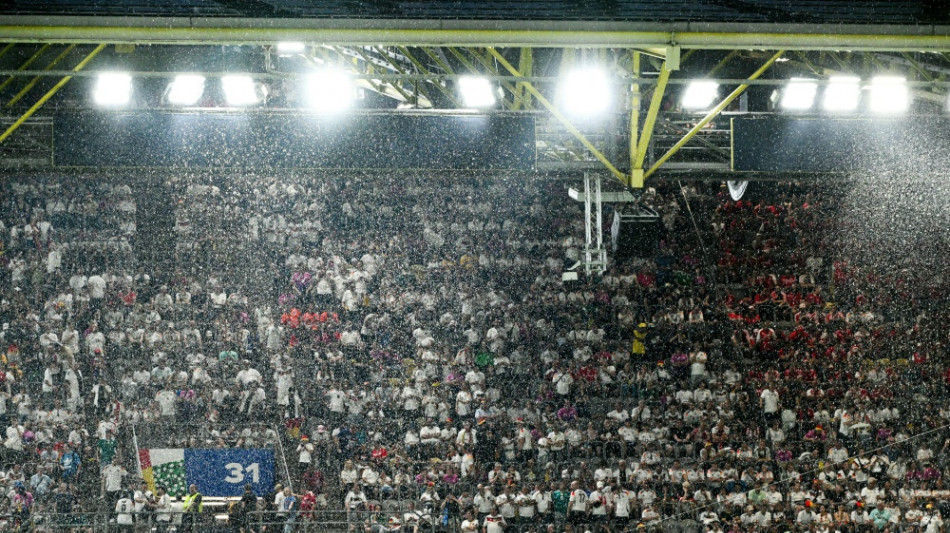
[(883, 12)]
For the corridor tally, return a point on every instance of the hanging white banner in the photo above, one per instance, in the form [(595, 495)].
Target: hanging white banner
[(737, 189)]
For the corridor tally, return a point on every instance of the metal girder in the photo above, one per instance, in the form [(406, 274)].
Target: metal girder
[(637, 175), (560, 117), (49, 94), (526, 67), (516, 100), (634, 110), (821, 70), (6, 49), (365, 80), (29, 86), (36, 55), (422, 69), (709, 116), (480, 33)]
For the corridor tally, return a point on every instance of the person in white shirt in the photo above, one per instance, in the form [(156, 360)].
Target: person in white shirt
[(124, 509), (469, 523), (527, 506), (112, 475), (494, 522), (769, 401), (577, 503), (484, 500)]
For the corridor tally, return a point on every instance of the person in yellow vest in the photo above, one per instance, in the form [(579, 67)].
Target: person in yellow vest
[(192, 510), (639, 340)]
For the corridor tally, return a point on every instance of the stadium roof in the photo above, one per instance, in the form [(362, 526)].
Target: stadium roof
[(880, 12)]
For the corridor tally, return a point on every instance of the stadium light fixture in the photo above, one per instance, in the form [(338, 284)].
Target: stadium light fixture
[(585, 92), (186, 89), (287, 49), (476, 92), (239, 90), (888, 94), (843, 93), (699, 95), (112, 89), (329, 90), (799, 94)]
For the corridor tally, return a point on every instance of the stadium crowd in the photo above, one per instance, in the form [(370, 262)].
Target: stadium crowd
[(409, 348)]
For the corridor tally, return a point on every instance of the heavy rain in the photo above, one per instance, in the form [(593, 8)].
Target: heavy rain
[(253, 285)]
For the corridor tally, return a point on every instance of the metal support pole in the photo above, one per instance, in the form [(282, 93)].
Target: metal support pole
[(601, 252), (595, 256), (588, 237), (711, 115), (634, 110), (561, 118), (636, 171), (49, 94), (29, 86)]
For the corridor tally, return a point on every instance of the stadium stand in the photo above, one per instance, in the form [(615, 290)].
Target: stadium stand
[(408, 347)]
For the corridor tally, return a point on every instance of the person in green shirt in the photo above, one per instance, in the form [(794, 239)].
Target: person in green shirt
[(880, 516), (107, 449), (560, 499), (757, 495), (483, 359)]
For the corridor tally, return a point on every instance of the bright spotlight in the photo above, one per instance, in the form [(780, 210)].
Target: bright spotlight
[(799, 94), (329, 90), (186, 89), (888, 95), (239, 90), (700, 94), (586, 92), (842, 93), (476, 92), (290, 48), (113, 89)]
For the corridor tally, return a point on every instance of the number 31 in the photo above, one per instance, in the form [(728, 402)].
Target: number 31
[(238, 472)]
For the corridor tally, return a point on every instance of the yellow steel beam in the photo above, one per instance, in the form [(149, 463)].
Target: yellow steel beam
[(485, 61), (474, 70), (24, 66), (711, 115), (49, 94), (422, 69), (399, 69), (438, 60), (6, 49), (16, 98), (560, 117), (634, 109), (526, 67), (722, 63), (478, 33), (658, 92)]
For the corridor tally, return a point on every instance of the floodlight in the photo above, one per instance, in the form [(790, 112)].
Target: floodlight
[(113, 89), (329, 90), (585, 92), (842, 93), (290, 48), (476, 92), (799, 94), (186, 89), (239, 90), (699, 95), (888, 95)]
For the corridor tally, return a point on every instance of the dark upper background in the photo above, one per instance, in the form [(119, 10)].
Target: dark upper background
[(751, 11)]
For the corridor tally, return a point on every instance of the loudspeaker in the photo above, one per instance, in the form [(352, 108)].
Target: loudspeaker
[(635, 234)]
